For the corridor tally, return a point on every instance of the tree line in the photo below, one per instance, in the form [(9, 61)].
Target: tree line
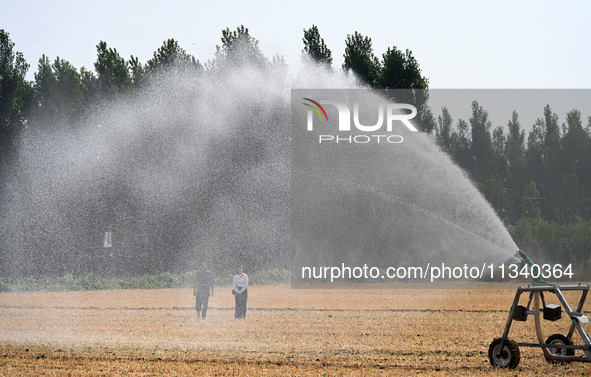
[(539, 183), (62, 94)]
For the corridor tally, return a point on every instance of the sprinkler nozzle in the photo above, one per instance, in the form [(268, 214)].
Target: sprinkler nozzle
[(524, 257)]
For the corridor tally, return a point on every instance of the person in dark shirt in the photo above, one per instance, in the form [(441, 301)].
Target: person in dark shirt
[(202, 289)]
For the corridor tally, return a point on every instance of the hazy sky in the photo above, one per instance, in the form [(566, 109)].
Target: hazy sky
[(459, 44)]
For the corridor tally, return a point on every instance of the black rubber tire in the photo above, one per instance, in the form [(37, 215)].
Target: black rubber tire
[(508, 358), (559, 339)]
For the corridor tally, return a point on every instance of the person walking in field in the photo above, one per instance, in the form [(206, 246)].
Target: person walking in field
[(240, 292), (202, 289)]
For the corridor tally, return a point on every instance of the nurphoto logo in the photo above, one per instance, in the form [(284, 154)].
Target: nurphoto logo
[(391, 112)]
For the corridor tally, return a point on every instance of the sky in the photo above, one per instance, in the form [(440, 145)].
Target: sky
[(458, 44)]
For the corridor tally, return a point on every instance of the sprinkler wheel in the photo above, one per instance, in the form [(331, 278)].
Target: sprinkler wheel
[(508, 357), (559, 339)]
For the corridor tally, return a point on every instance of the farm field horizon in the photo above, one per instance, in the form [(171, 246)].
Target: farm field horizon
[(286, 332)]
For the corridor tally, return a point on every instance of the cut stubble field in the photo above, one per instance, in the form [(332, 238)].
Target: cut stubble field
[(397, 332)]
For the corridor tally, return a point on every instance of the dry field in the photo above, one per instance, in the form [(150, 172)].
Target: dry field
[(287, 332)]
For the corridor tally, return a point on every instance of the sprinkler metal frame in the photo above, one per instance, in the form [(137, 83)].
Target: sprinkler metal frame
[(558, 348)]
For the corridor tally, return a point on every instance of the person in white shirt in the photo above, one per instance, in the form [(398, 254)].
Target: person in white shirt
[(240, 292)]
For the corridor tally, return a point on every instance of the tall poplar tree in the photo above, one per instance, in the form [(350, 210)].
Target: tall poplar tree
[(314, 47), (360, 59)]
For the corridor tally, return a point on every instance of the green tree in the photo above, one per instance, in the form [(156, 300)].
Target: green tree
[(530, 208), (45, 88), (59, 92), (484, 160), (493, 190), (360, 59), (461, 146), (68, 95), (315, 49), (544, 157), (498, 147), (553, 158), (551, 141), (399, 70), (15, 94), (172, 58), (69, 91), (136, 69), (575, 141), (534, 155), (444, 130), (90, 89), (112, 70), (576, 166), (576, 144), (515, 157), (567, 198), (15, 98), (239, 48)]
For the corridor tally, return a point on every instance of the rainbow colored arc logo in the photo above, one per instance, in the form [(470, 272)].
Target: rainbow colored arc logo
[(315, 109)]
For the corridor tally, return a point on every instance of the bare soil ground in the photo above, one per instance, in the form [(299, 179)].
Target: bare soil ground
[(287, 332)]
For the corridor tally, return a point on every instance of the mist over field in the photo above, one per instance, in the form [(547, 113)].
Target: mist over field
[(155, 167)]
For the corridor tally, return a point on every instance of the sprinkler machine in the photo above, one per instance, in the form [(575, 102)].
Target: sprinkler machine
[(558, 348)]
